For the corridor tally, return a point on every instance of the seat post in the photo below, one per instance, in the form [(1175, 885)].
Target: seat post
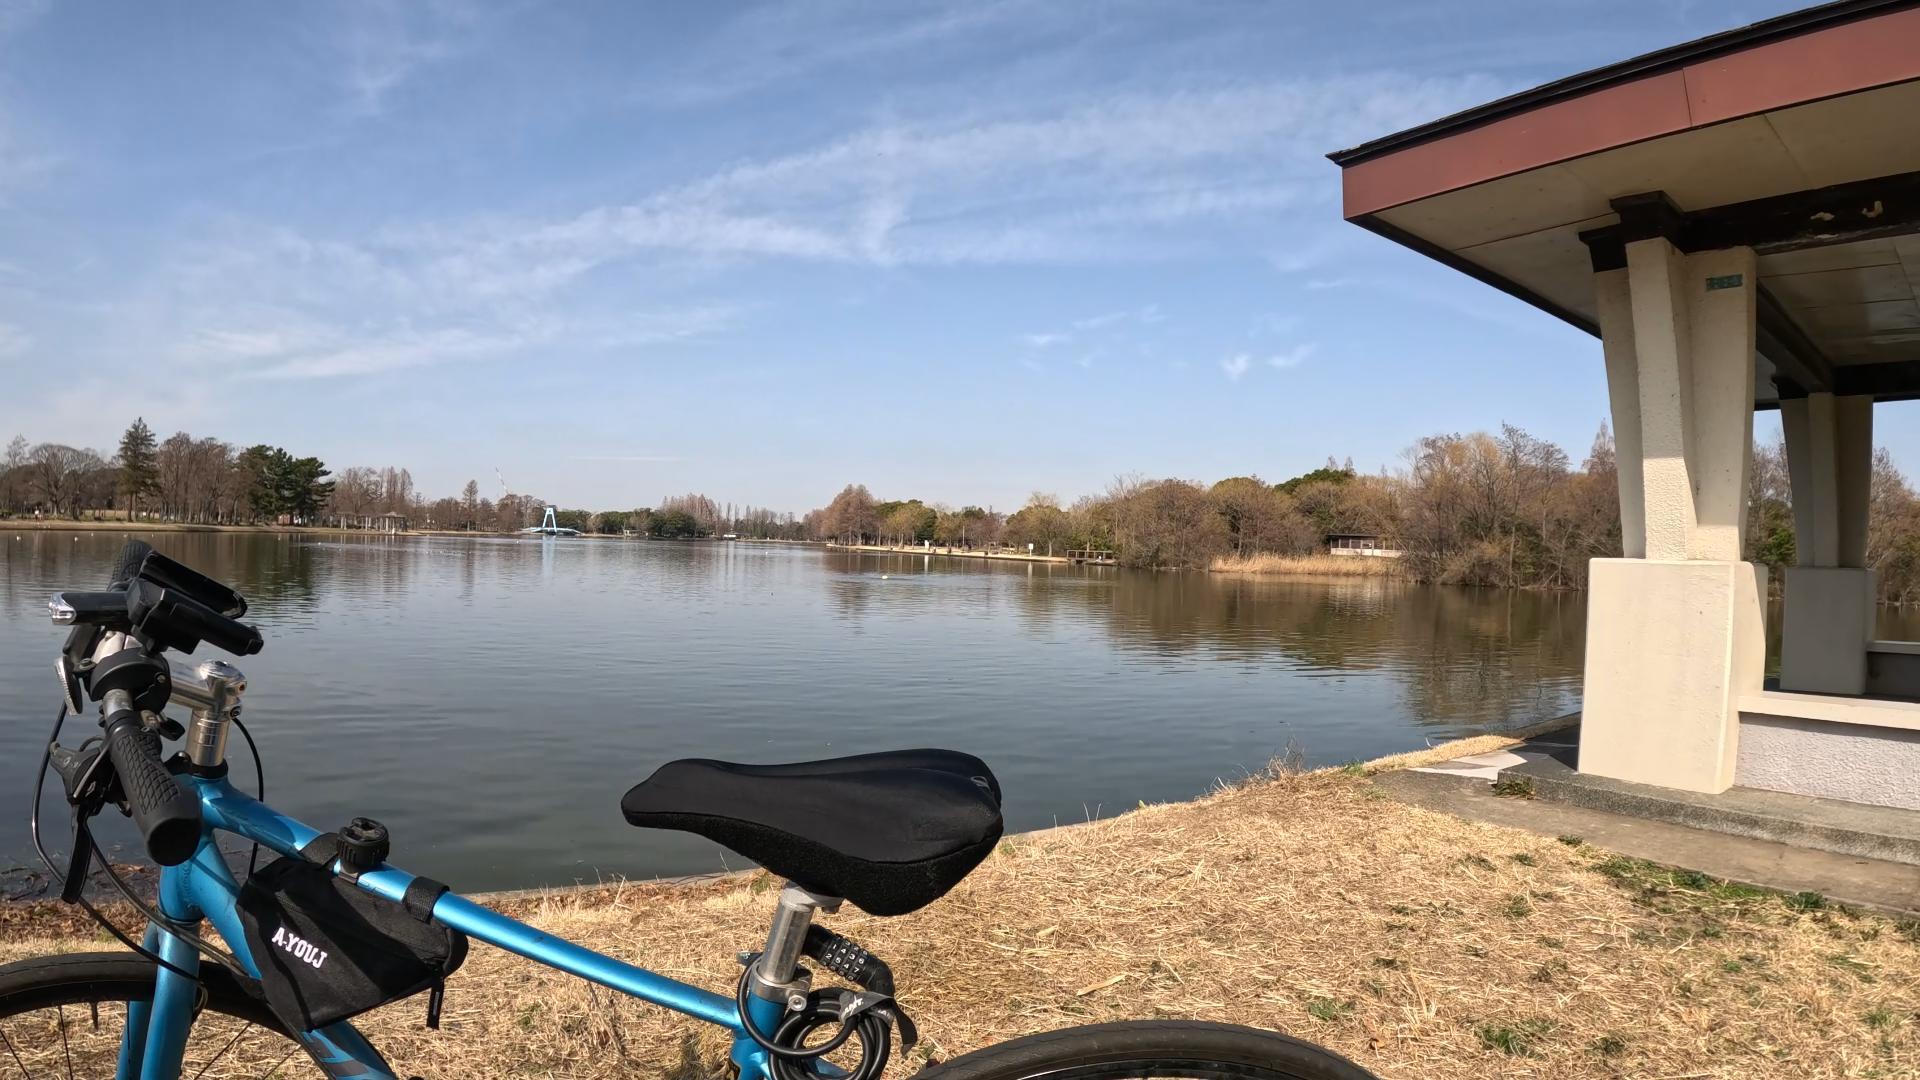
[(777, 976)]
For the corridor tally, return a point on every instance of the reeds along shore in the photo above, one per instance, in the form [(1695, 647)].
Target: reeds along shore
[(1307, 565)]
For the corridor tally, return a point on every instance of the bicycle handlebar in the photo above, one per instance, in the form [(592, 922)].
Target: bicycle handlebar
[(167, 815)]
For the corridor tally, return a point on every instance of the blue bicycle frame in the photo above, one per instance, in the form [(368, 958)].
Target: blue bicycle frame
[(204, 888)]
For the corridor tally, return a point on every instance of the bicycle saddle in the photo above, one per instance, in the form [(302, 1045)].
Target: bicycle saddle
[(888, 832)]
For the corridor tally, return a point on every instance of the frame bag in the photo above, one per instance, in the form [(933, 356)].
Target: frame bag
[(328, 949)]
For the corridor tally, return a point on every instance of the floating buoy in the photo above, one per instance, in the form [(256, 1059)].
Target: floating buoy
[(883, 577)]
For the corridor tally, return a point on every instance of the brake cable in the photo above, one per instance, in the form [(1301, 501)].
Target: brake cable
[(153, 916)]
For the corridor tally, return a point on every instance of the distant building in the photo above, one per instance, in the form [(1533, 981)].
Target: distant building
[(1366, 545), (392, 522)]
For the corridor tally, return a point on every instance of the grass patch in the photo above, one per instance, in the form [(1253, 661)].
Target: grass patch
[(1518, 907), (1806, 901), (1572, 841), (1513, 787), (1668, 889), (1610, 1045), (1329, 1010), (1520, 1038), (1524, 859), (1852, 966)]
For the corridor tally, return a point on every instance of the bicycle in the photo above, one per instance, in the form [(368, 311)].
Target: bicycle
[(889, 832)]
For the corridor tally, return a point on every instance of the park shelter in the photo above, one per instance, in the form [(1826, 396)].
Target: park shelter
[(1737, 219)]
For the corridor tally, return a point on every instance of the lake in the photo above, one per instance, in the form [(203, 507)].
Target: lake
[(491, 699)]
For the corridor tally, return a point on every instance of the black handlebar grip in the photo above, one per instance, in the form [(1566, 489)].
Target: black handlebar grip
[(131, 557), (167, 815)]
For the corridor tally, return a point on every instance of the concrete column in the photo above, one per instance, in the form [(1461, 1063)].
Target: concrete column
[(1828, 608), (1675, 632), (1807, 424), (1662, 339), (1623, 394), (1720, 450), (1853, 461)]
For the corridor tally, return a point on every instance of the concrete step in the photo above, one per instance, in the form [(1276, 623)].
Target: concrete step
[(1872, 832), (1886, 887)]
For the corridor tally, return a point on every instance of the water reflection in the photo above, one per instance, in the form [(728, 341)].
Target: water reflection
[(1463, 658)]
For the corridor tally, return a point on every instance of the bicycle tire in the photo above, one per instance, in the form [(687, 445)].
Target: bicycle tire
[(43, 988), (1189, 1049)]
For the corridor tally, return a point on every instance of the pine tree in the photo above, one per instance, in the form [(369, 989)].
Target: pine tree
[(139, 470)]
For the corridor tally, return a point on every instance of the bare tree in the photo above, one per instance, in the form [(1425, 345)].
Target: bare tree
[(13, 475), (59, 477), (850, 517), (356, 491)]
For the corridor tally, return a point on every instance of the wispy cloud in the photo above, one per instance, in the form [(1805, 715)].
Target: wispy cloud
[(13, 340), (17, 15), (383, 43), (1293, 357), (294, 347), (648, 459), (776, 43), (1090, 325), (1236, 365), (1102, 179), (1146, 315)]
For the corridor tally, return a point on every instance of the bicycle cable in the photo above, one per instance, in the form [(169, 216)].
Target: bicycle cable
[(153, 917), (787, 1049), (259, 783)]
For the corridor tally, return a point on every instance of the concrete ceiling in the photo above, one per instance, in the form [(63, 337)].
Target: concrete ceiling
[(1857, 302)]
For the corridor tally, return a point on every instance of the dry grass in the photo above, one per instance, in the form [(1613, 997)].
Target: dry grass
[(1425, 947), (1306, 565), (1459, 748)]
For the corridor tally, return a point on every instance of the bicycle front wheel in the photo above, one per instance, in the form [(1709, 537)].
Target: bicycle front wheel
[(63, 1016), (1182, 1049)]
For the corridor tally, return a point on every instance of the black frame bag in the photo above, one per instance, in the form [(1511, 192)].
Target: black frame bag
[(328, 949)]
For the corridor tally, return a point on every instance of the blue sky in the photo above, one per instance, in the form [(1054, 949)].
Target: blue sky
[(955, 251)]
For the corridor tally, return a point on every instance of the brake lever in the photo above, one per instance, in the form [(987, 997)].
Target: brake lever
[(88, 786), (82, 775), (79, 861)]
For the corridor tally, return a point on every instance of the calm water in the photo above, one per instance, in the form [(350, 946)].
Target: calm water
[(490, 700)]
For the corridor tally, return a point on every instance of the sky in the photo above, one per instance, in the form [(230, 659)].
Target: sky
[(954, 251)]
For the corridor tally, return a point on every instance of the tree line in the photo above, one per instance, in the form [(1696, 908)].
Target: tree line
[(184, 478), (1499, 509), (201, 480), (1502, 508)]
